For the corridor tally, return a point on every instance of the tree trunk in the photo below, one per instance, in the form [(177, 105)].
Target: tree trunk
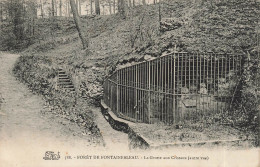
[(121, 8), (56, 8), (35, 9), (9, 10), (77, 5), (114, 6), (78, 24), (133, 3), (91, 7), (17, 20), (60, 7), (41, 9), (79, 2), (33, 27), (129, 3), (23, 13), (144, 3), (160, 15), (118, 6), (69, 8), (110, 7), (66, 9), (97, 7), (52, 8), (1, 12), (34, 16)]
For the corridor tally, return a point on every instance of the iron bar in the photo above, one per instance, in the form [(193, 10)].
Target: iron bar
[(160, 88)]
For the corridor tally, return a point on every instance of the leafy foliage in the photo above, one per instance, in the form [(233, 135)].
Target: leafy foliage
[(246, 106)]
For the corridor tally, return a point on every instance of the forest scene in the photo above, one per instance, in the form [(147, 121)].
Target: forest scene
[(130, 74)]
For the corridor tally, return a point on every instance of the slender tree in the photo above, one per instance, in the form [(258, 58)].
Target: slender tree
[(52, 8), (69, 8), (160, 17), (1, 12), (110, 7), (103, 6), (97, 7), (121, 8), (9, 10), (32, 11), (56, 7), (91, 7), (114, 6), (60, 7), (66, 11), (17, 20), (129, 3), (78, 23), (41, 8), (79, 4)]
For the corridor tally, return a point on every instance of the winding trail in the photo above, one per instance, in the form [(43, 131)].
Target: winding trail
[(25, 133)]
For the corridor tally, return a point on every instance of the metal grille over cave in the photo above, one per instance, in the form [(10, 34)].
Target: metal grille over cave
[(174, 88)]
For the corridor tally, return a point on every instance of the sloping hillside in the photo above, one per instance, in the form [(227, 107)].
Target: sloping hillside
[(229, 27), (222, 26)]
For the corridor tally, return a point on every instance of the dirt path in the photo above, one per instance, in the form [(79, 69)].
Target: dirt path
[(24, 131), (24, 128)]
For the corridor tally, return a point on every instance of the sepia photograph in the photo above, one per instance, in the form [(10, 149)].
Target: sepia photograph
[(107, 83)]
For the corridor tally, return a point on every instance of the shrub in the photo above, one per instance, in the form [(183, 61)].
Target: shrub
[(246, 104)]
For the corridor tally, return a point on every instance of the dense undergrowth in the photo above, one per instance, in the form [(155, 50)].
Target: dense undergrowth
[(39, 74)]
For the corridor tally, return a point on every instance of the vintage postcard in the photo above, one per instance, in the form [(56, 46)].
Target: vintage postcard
[(129, 83)]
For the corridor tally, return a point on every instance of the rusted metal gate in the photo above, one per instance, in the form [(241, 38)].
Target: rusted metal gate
[(174, 87)]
